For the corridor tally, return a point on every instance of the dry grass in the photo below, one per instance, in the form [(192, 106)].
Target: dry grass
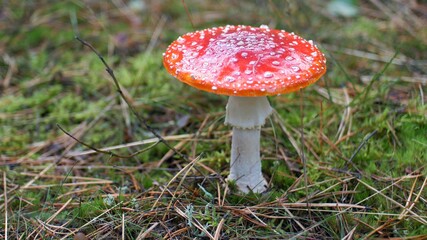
[(346, 159)]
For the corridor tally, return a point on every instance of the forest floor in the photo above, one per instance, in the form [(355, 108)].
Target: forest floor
[(345, 158)]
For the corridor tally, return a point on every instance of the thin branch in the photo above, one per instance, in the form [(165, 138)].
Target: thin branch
[(188, 13), (363, 143), (138, 116), (303, 159), (119, 90), (103, 151)]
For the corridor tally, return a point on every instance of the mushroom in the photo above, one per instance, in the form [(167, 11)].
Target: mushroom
[(247, 64)]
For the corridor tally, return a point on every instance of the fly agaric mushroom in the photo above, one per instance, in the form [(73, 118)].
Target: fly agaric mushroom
[(248, 64)]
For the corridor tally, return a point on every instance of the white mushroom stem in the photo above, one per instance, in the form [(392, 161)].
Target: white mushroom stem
[(245, 166), (247, 115)]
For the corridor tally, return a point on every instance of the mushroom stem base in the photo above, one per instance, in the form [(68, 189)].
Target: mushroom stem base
[(245, 167)]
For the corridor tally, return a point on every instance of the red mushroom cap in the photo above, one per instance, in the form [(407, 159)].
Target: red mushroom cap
[(245, 61)]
